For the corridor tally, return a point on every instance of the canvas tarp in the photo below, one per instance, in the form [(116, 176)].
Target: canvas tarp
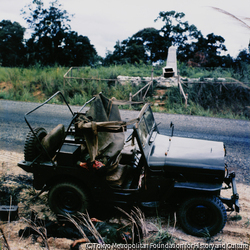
[(103, 128)]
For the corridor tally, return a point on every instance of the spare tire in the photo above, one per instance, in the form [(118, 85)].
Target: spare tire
[(32, 147)]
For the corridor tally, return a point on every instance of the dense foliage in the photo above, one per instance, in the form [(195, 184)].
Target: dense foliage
[(12, 49), (52, 42), (151, 45)]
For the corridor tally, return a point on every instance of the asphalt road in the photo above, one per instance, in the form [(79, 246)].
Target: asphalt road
[(234, 133)]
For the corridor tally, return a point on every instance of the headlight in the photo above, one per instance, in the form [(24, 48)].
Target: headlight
[(226, 170)]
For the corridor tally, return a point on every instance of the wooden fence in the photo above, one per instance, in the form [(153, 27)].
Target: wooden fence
[(73, 73)]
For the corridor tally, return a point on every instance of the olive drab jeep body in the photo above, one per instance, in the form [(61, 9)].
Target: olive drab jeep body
[(98, 158)]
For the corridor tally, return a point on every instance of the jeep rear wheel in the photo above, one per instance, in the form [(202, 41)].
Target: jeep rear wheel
[(201, 216), (67, 198), (32, 147)]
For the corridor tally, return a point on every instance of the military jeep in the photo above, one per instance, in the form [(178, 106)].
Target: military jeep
[(100, 159)]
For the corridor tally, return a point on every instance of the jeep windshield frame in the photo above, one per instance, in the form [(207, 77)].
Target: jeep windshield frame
[(145, 131)]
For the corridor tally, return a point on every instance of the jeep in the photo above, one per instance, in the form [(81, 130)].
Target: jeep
[(100, 159)]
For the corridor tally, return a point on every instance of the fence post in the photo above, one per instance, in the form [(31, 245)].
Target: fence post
[(179, 83), (152, 77), (186, 100), (130, 97)]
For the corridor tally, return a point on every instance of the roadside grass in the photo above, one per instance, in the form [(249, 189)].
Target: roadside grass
[(37, 83), (197, 72)]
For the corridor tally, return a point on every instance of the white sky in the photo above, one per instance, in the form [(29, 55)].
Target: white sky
[(106, 21)]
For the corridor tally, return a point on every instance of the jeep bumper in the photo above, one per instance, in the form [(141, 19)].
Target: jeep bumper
[(26, 166), (233, 202)]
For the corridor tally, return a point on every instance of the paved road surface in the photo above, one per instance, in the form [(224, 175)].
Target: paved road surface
[(234, 133)]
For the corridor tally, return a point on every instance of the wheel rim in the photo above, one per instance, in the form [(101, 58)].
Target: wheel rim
[(200, 216), (69, 201)]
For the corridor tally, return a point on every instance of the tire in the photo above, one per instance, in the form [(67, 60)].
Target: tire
[(32, 147), (202, 216), (68, 198)]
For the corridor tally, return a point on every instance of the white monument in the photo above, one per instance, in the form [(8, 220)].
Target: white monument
[(171, 68)]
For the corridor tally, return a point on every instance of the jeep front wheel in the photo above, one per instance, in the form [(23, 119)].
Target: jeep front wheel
[(67, 198), (201, 216)]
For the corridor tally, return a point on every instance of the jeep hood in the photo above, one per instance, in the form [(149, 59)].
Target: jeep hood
[(170, 152)]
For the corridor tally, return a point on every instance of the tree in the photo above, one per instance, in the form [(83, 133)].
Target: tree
[(241, 65), (204, 52), (52, 40), (78, 51), (214, 48), (141, 47), (49, 28), (153, 43), (244, 56), (11, 43), (130, 50), (117, 57), (134, 51), (175, 31)]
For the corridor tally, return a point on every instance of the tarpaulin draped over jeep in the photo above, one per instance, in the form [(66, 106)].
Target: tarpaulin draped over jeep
[(103, 128)]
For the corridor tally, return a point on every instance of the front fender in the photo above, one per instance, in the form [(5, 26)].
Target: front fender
[(198, 186)]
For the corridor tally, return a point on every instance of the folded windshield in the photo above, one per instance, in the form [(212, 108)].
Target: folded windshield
[(146, 126)]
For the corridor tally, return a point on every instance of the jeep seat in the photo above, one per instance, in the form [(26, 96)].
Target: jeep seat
[(53, 140)]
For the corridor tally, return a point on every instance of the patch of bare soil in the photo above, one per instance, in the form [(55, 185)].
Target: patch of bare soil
[(38, 94), (236, 231), (4, 86)]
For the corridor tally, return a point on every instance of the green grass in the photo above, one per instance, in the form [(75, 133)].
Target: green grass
[(37, 83), (195, 72)]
